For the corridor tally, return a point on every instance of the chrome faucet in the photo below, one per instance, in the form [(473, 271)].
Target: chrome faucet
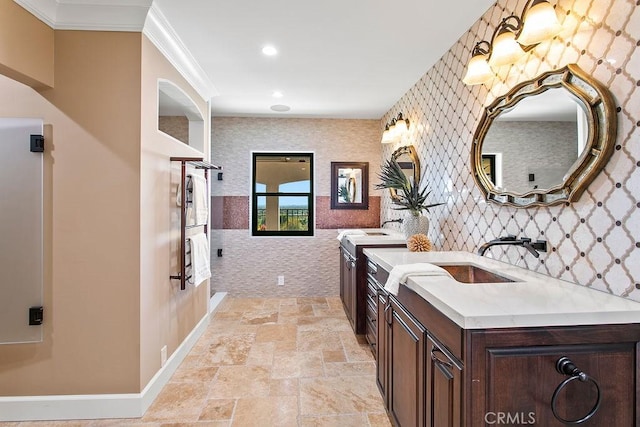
[(525, 242), (399, 221)]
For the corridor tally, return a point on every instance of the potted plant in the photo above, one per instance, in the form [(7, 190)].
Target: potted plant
[(408, 197)]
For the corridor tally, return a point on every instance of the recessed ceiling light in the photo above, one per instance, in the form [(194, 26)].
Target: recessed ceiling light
[(280, 108), (277, 94), (269, 50)]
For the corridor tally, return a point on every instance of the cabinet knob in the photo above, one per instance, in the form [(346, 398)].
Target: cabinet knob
[(372, 268), (565, 366)]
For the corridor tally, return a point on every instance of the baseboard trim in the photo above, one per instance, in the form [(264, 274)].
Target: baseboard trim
[(215, 301), (76, 407)]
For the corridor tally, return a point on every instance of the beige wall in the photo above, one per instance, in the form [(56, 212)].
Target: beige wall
[(250, 265), (167, 314), (26, 46), (592, 242), (110, 224), (92, 227)]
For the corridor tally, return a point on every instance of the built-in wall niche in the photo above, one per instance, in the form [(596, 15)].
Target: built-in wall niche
[(178, 116)]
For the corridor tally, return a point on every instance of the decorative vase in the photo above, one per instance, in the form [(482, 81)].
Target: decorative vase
[(413, 224)]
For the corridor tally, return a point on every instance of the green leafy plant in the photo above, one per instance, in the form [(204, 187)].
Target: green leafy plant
[(343, 193), (408, 196)]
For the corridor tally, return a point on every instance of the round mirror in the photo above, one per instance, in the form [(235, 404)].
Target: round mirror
[(544, 141), (407, 158)]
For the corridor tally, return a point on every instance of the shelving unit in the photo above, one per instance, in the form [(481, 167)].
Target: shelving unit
[(198, 163)]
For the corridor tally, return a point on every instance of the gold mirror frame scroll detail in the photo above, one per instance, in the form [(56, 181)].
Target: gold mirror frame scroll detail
[(410, 151), (602, 120)]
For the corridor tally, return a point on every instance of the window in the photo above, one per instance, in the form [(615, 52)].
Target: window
[(282, 194)]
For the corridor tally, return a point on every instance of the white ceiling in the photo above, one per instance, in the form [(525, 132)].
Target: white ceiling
[(337, 58)]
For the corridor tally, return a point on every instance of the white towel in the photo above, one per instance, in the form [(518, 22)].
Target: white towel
[(401, 272), (354, 232), (200, 213), (199, 258)]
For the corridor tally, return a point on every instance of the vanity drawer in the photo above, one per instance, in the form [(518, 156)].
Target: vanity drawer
[(374, 271), (371, 321), (371, 334), (371, 309), (372, 291)]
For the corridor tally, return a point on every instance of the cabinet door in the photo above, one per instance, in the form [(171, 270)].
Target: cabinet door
[(346, 283), (382, 356), (351, 284), (342, 273), (443, 387), (407, 345), (520, 381)]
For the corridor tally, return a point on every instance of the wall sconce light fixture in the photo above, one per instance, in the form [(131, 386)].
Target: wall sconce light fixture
[(395, 129), (511, 39)]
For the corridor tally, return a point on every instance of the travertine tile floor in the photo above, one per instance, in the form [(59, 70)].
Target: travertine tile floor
[(268, 362)]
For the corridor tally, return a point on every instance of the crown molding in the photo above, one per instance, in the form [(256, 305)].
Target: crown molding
[(164, 37), (92, 15), (124, 15)]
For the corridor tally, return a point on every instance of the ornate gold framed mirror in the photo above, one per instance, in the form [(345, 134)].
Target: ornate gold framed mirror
[(544, 141), (407, 158)]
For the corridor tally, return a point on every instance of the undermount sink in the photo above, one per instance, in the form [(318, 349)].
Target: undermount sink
[(469, 273)]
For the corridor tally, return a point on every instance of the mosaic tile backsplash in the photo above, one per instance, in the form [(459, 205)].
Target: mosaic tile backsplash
[(595, 241)]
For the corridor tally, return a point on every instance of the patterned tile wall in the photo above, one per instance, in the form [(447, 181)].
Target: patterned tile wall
[(594, 242), (250, 266)]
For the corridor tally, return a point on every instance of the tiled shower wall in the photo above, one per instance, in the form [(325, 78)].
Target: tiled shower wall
[(250, 266), (593, 242)]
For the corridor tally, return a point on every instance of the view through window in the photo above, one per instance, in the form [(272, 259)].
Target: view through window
[(282, 195)]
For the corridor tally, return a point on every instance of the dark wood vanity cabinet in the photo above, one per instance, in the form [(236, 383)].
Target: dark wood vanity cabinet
[(376, 303), (348, 284), (513, 372), (444, 386), (381, 345), (358, 300), (406, 368), (431, 372), (419, 379), (424, 378)]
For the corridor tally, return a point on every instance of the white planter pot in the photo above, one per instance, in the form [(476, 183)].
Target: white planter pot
[(415, 225)]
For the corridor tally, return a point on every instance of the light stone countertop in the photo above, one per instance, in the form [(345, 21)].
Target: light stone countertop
[(534, 299), (375, 236)]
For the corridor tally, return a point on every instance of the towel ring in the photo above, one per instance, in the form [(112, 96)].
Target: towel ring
[(565, 366)]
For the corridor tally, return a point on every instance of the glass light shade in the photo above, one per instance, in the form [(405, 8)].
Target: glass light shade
[(506, 50), (386, 135), (393, 132), (478, 71), (401, 126), (540, 24)]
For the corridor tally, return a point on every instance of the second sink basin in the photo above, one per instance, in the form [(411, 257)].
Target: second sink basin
[(469, 273)]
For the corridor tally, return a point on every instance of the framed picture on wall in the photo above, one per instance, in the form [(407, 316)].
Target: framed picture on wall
[(349, 185)]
